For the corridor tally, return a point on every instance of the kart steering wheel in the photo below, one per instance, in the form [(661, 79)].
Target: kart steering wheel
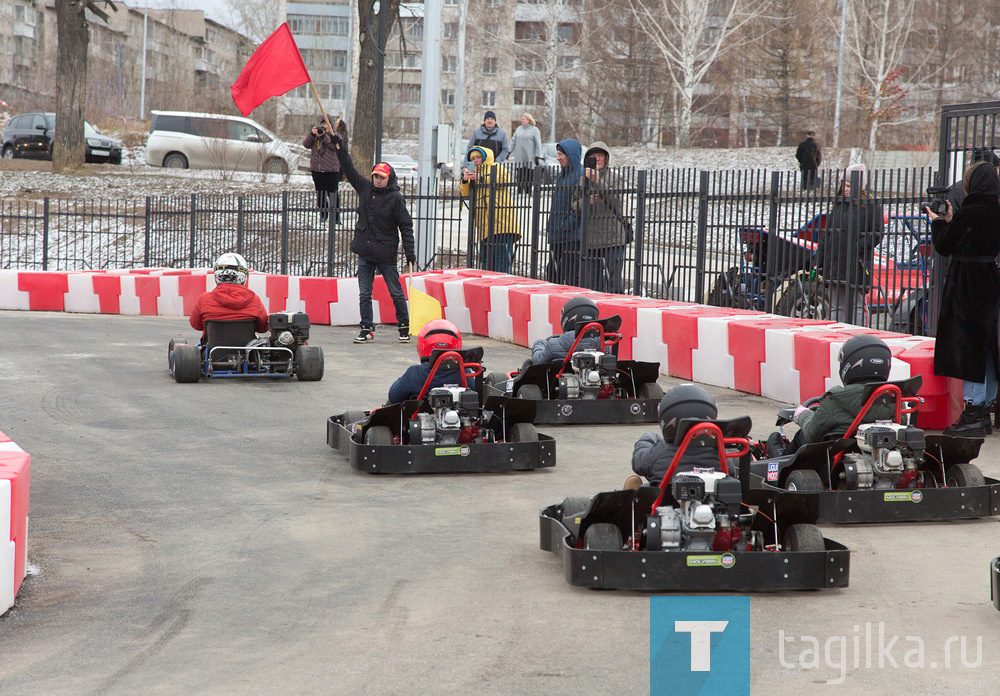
[(787, 415)]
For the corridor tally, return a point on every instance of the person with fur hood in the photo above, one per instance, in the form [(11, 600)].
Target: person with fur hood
[(605, 231), (495, 216)]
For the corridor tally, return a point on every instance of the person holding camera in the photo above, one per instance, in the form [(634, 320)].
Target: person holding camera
[(606, 232), (845, 254), (325, 167), (495, 216), (382, 220), (966, 344)]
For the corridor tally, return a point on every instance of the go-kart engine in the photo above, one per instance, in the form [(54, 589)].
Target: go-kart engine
[(453, 413), (707, 504), (592, 377), (288, 329), (888, 451)]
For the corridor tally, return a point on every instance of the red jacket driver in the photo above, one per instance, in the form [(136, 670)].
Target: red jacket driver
[(230, 300)]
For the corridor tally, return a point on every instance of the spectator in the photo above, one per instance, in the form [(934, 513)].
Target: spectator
[(325, 167), (564, 225), (382, 219), (956, 194), (809, 156), (606, 232), (527, 148), (846, 251), (492, 136), (966, 345), (495, 217)]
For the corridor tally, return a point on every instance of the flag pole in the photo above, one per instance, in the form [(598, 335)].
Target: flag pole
[(409, 294), (326, 119)]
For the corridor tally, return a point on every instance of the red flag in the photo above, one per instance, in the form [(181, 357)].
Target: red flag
[(274, 68)]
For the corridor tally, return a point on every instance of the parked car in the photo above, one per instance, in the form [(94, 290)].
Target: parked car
[(31, 136), (404, 165), (183, 140), (549, 153)]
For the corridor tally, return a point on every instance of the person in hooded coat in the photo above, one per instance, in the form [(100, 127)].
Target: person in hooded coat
[(382, 220), (845, 254), (495, 215), (564, 225), (606, 232), (966, 343)]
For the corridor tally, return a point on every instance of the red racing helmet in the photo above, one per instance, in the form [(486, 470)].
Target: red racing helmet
[(438, 334)]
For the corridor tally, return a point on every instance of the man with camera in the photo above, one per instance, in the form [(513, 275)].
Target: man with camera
[(606, 232)]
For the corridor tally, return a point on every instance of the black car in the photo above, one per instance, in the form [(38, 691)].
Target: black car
[(31, 136)]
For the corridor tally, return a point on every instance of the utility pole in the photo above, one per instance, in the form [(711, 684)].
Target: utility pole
[(840, 73), (142, 87), (430, 90), (459, 158)]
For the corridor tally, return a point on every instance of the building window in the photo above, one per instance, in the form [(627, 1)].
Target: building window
[(493, 31), (493, 3), (315, 25), (408, 94), (490, 66), (529, 97), (449, 30), (448, 97), (570, 33), (489, 98), (528, 64), (449, 63), (450, 2), (567, 62), (409, 126), (529, 31), (323, 59), (404, 61), (413, 27)]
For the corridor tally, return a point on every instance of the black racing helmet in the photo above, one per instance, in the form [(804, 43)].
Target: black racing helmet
[(684, 401), (864, 358), (578, 309)]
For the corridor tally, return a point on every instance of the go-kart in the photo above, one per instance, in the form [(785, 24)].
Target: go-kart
[(448, 429), (232, 349), (886, 471), (698, 530), (587, 386)]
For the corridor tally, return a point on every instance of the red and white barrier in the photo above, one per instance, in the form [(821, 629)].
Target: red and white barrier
[(15, 478), (782, 358)]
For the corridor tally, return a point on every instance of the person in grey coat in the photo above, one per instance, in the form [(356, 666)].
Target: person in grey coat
[(492, 136), (606, 232), (526, 147)]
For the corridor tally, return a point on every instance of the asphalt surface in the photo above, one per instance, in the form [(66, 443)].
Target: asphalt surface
[(204, 539)]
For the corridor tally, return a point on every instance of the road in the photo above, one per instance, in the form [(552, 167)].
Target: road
[(204, 539)]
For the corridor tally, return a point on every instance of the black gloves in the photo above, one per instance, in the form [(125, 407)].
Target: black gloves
[(411, 259)]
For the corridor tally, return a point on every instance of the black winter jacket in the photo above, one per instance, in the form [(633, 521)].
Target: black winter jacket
[(846, 251), (545, 350), (652, 455), (382, 216), (808, 154)]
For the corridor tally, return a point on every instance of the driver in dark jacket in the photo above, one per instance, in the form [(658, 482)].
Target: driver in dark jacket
[(382, 220), (545, 350)]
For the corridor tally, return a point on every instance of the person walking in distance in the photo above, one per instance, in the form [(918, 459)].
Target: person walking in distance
[(526, 146), (810, 157)]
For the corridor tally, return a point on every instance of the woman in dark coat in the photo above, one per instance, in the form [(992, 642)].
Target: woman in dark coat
[(966, 346), (845, 256)]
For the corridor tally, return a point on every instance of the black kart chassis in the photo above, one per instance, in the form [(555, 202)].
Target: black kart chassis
[(698, 571), (995, 585), (891, 505), (629, 409), (443, 459)]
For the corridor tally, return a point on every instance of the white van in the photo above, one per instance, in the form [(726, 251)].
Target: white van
[(182, 140)]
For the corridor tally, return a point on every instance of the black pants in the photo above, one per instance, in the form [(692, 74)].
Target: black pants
[(327, 185), (808, 179)]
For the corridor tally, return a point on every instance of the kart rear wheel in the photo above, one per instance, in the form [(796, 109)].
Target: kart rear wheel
[(310, 364), (603, 536), (352, 415), (187, 363), (530, 391), (963, 475), (522, 432), (493, 378), (378, 436), (650, 390), (803, 537), (804, 481), (730, 290)]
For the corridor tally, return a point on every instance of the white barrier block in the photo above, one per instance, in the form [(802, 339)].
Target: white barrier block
[(170, 303), (10, 296), (8, 553), (499, 322), (80, 295), (10, 447), (779, 380), (128, 301), (294, 302), (539, 326), (711, 362), (346, 311), (648, 344), (456, 312)]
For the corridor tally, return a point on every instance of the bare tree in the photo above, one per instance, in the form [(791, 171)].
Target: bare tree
[(71, 66), (691, 35), (259, 18), (363, 126)]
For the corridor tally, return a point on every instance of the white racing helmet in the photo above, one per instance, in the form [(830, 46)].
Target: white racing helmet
[(232, 268)]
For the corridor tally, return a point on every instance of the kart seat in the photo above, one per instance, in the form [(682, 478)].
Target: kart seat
[(228, 332)]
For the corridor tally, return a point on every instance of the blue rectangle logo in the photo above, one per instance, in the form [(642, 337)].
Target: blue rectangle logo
[(699, 646)]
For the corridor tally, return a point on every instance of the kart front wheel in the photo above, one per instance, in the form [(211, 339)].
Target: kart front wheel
[(310, 364), (530, 391), (574, 505), (803, 537), (603, 536), (378, 436), (964, 475), (187, 363), (804, 481), (522, 432), (352, 415), (650, 390)]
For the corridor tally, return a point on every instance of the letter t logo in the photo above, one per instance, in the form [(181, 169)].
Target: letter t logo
[(701, 641)]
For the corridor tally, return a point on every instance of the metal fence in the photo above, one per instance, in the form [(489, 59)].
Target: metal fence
[(737, 238)]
